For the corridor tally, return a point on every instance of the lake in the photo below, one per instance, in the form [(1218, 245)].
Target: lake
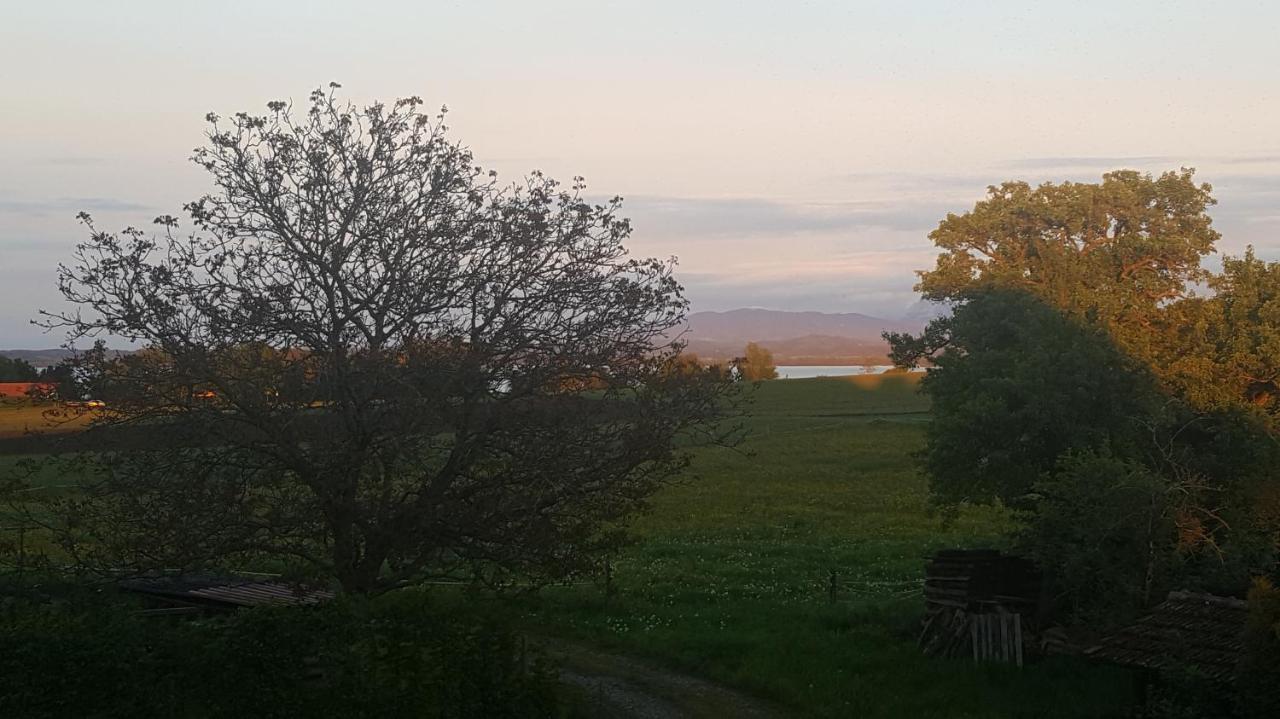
[(820, 370)]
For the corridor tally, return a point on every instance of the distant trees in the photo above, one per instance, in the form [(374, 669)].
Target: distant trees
[(757, 364), (17, 370), (66, 380), (368, 360), (1080, 381)]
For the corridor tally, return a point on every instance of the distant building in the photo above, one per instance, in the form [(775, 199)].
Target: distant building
[(28, 390)]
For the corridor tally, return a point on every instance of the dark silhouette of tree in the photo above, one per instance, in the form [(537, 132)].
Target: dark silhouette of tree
[(1020, 385), (17, 370), (360, 361), (66, 380)]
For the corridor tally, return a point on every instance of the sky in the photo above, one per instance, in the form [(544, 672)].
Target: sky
[(792, 155)]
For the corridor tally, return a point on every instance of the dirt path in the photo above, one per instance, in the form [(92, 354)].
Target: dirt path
[(615, 686)]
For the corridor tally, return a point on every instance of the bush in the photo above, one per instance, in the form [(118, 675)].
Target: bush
[(1101, 535), (1183, 692), (391, 657), (1259, 676)]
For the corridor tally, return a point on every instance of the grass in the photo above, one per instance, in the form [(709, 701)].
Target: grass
[(730, 576), (893, 395), (18, 418), (19, 422)]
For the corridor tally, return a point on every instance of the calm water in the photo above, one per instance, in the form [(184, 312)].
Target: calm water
[(802, 371)]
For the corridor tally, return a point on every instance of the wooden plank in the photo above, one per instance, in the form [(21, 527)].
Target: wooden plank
[(924, 632), (1017, 638), (167, 611), (993, 628), (1004, 637)]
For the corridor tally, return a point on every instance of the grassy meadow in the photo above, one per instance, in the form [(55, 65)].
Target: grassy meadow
[(20, 417), (730, 575)]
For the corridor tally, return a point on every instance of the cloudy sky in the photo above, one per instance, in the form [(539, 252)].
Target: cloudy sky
[(793, 155)]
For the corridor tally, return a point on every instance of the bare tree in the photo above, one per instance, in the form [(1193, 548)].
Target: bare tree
[(369, 358)]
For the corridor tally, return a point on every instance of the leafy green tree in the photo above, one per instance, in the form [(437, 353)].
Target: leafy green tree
[(1078, 364), (1112, 252), (1224, 351), (1017, 386), (757, 364)]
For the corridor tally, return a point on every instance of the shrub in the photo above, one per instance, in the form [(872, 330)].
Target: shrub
[(1259, 676), (391, 657), (1101, 534), (1183, 692)]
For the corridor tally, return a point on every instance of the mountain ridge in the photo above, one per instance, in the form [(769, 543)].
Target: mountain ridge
[(804, 337), (794, 337)]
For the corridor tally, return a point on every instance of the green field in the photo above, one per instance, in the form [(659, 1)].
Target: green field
[(730, 576)]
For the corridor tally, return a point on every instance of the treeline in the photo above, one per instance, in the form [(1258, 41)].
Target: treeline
[(755, 364), (62, 376), (17, 370)]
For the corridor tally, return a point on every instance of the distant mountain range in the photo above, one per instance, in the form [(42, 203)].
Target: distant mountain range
[(799, 338), (795, 338), (38, 358)]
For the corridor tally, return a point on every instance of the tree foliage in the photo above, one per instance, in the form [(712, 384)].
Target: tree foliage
[(1078, 364), (1112, 252), (1224, 351), (17, 370), (757, 364), (1019, 386), (357, 362), (1105, 531), (67, 380)]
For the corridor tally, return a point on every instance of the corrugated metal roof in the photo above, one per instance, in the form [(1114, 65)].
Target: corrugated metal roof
[(1197, 630), (231, 592)]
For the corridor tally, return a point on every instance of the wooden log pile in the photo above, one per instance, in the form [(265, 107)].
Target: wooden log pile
[(977, 603)]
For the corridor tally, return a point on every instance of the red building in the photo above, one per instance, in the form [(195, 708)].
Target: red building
[(33, 390)]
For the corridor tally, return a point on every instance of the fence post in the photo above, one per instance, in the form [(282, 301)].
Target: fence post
[(22, 550), (608, 580)]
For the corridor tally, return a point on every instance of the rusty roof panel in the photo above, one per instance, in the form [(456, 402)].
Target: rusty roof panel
[(1187, 629)]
